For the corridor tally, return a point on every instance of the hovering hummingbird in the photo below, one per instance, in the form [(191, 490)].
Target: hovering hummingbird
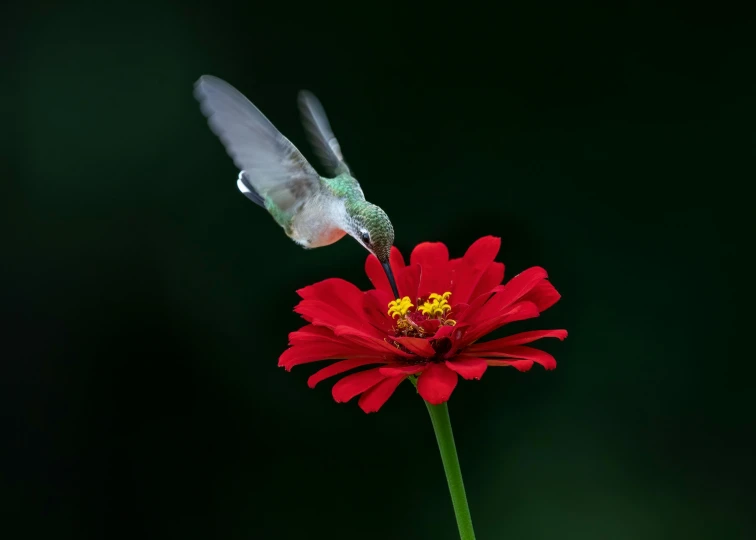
[(314, 211)]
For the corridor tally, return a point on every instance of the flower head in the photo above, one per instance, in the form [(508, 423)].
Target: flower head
[(431, 332)]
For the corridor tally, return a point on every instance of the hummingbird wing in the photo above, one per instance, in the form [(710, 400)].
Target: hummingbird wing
[(271, 163), (320, 134)]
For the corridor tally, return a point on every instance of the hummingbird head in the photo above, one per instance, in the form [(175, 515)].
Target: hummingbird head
[(371, 227)]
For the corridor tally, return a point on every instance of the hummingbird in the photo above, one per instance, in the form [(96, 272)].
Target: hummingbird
[(313, 210)]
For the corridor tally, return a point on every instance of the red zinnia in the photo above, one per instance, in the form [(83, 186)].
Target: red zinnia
[(431, 332)]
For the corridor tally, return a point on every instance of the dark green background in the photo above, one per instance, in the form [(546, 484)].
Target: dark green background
[(146, 301)]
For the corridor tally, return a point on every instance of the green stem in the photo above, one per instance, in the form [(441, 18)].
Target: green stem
[(442, 426)]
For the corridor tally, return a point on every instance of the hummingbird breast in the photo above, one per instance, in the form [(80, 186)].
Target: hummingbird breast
[(320, 222)]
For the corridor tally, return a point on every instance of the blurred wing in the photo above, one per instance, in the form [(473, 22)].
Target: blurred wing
[(320, 134), (274, 166)]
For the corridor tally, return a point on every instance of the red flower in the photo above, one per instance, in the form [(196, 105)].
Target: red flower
[(432, 332)]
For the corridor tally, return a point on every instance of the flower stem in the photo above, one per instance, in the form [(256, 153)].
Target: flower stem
[(442, 426)]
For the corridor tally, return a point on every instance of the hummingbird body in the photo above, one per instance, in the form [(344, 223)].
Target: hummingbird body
[(320, 223), (327, 217), (314, 211)]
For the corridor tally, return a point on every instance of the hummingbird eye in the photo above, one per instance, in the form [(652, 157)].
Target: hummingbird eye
[(365, 237)]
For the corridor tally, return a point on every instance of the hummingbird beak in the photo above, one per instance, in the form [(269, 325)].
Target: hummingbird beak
[(390, 275)]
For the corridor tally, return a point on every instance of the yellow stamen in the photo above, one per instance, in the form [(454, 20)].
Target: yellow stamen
[(399, 308), (437, 305)]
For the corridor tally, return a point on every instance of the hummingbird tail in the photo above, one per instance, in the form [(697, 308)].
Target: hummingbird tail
[(245, 186)]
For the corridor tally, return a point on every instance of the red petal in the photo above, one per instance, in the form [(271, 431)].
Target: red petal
[(430, 326), (458, 310), (518, 339), (518, 312), (464, 279), (433, 257), (473, 309), (314, 352), (543, 295), (444, 331), (375, 308), (519, 365), (345, 297), (521, 311), (322, 314), (455, 333), (510, 293), (418, 346), (396, 370), (333, 302), (373, 399), (526, 353), (310, 332), (469, 368), (407, 281), (492, 277), (313, 343), (396, 260), (338, 368), (332, 289), (482, 252), (430, 254), (377, 345), (377, 275), (436, 383), (357, 383), (466, 273)]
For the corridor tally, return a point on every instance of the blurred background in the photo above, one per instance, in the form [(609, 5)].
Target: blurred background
[(145, 301)]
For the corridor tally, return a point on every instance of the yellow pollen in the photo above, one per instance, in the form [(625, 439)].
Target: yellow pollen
[(399, 308), (436, 305)]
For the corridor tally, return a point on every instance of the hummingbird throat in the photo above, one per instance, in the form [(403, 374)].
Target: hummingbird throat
[(430, 315)]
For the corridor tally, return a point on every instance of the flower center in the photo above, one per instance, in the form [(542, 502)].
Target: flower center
[(425, 320)]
